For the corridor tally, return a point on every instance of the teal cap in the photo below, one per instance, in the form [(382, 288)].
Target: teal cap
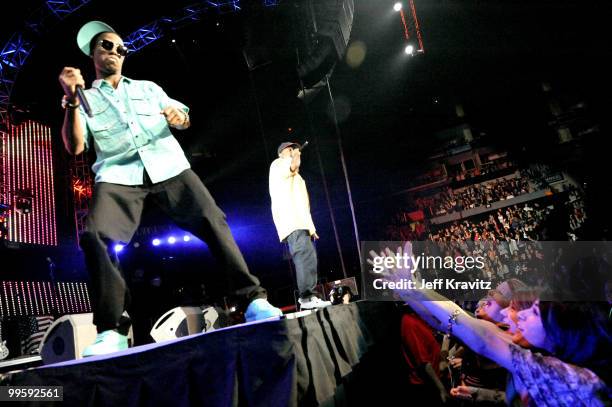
[(88, 31)]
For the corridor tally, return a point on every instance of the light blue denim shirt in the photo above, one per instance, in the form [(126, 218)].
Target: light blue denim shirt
[(130, 134)]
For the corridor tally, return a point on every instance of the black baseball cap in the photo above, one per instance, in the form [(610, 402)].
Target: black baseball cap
[(287, 144)]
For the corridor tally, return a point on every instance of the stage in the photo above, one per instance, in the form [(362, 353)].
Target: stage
[(341, 355)]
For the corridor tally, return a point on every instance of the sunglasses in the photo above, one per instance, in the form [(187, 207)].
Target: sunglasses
[(109, 45)]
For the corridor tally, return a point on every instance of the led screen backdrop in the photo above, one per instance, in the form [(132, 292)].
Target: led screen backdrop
[(28, 189)]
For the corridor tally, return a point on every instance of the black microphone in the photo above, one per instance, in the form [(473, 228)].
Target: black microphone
[(83, 99), (304, 145)]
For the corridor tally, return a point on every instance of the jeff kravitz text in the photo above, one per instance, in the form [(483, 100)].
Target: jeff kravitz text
[(436, 284)]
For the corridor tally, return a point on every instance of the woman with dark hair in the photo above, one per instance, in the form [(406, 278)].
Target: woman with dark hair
[(575, 332), (539, 380)]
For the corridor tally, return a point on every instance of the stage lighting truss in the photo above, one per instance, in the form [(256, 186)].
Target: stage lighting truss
[(410, 23), (143, 36), (15, 52), (82, 187), (63, 8)]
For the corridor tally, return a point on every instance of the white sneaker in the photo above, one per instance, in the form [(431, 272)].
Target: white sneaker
[(312, 303)]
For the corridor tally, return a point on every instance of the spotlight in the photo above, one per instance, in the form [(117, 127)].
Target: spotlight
[(156, 242), (118, 248), (409, 49), (172, 240), (397, 6), (173, 41), (186, 238)]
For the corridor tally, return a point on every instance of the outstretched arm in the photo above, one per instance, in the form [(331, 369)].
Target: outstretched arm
[(481, 336)]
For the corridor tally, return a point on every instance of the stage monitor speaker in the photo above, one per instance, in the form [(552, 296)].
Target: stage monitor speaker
[(68, 336), (183, 321)]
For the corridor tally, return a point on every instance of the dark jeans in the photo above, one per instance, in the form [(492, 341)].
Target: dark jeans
[(114, 216), (305, 259)]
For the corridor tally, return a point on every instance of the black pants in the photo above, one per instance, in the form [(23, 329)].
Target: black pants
[(114, 216)]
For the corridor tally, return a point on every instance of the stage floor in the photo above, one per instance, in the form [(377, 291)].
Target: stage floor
[(331, 357)]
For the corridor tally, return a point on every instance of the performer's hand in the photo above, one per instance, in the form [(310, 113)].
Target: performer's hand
[(174, 116), (315, 236), (69, 78), (463, 392), (296, 160)]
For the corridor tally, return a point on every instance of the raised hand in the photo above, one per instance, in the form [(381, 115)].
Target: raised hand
[(396, 263), (174, 116), (70, 78)]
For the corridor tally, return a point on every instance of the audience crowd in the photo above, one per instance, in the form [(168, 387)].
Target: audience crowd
[(523, 343)]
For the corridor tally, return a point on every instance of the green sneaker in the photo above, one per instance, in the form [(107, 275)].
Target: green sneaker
[(106, 342)]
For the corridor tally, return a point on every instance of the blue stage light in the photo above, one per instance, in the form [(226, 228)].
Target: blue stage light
[(118, 248), (172, 240), (186, 238), (156, 242)]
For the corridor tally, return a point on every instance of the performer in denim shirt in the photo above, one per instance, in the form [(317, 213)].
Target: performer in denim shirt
[(138, 157)]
